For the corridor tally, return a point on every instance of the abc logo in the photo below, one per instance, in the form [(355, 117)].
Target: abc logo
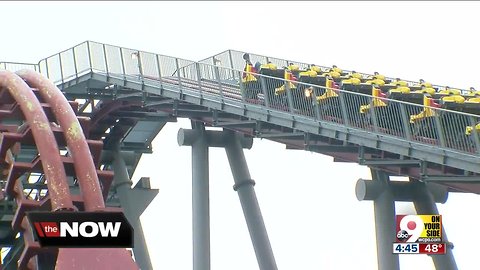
[(402, 235)]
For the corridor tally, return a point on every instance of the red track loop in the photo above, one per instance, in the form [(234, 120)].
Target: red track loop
[(41, 132), (77, 144), (44, 139)]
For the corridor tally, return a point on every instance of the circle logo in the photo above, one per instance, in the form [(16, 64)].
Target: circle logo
[(402, 235)]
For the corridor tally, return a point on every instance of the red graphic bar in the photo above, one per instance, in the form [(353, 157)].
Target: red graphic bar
[(51, 229), (432, 249), (39, 229)]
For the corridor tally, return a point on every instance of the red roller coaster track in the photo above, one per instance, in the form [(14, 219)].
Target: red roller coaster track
[(47, 121)]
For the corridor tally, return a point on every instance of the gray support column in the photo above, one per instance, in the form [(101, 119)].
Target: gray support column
[(253, 216), (200, 201), (425, 205), (402, 191), (384, 211), (123, 185)]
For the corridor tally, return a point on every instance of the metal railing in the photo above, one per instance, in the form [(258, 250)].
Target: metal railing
[(234, 59), (443, 128), (17, 66)]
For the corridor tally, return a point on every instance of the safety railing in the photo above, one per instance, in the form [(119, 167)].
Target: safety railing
[(12, 66), (98, 57), (440, 128), (234, 59)]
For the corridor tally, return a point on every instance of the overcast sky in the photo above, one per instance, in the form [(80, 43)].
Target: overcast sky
[(308, 202)]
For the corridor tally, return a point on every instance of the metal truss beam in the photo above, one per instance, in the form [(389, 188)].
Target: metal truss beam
[(162, 102), (214, 138), (236, 124), (343, 160), (332, 148), (390, 162), (451, 179), (157, 116), (281, 135), (195, 113)]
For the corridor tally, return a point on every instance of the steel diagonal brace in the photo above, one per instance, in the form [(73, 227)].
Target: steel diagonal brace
[(44, 139), (86, 172)]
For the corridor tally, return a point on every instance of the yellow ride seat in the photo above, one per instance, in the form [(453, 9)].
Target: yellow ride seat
[(293, 67), (356, 75), (316, 68), (287, 75), (473, 100), (308, 73), (376, 81), (426, 84), (428, 111), (378, 95), (400, 89), (399, 82), (333, 74), (472, 92), (330, 91), (454, 98), (269, 65), (450, 91), (336, 69), (426, 90), (352, 80), (376, 75)]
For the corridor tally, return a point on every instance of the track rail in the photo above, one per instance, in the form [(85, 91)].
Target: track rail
[(46, 123)]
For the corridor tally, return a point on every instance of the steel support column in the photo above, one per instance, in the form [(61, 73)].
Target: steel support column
[(384, 211), (253, 216), (425, 205), (123, 185), (200, 200), (201, 139), (402, 191)]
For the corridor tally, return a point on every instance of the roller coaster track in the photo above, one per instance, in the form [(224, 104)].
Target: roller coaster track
[(115, 91), (213, 94), (47, 123)]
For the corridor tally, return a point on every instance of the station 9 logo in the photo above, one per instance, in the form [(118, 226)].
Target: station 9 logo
[(418, 228), (81, 229)]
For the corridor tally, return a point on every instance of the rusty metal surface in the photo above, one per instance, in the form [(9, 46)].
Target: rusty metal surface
[(95, 259), (44, 139), (86, 172), (41, 132)]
